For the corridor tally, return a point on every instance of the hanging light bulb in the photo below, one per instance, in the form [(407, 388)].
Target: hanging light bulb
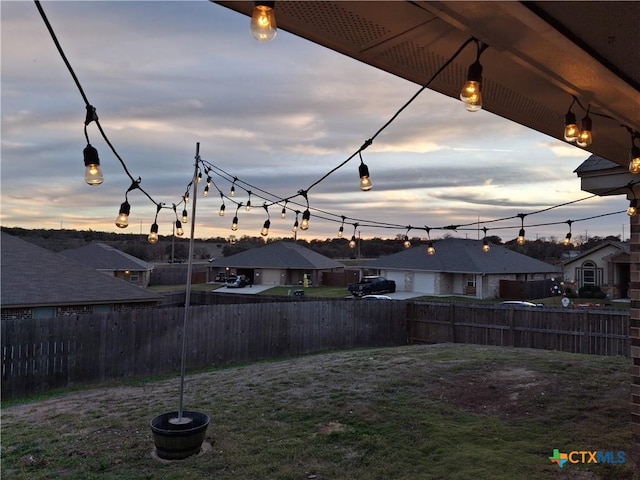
[(585, 138), (92, 171), (153, 234), (263, 21), (221, 211), (283, 214), (353, 242), (340, 231), (186, 198), (205, 193), (184, 216), (470, 93), (571, 130), (295, 226), (179, 231), (634, 158), (122, 220), (633, 207), (306, 215), (208, 180), (365, 181), (485, 245), (233, 191), (431, 250), (234, 224), (199, 177), (521, 238), (407, 242), (248, 205), (265, 228), (567, 238)]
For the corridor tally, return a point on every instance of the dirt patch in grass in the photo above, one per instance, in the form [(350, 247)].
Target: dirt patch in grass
[(417, 412)]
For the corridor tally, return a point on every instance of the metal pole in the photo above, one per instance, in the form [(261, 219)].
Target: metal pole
[(187, 301)]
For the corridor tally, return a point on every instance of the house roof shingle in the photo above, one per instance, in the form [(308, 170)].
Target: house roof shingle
[(104, 257), (459, 255), (283, 255), (34, 276)]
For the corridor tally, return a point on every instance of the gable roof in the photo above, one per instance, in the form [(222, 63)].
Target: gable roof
[(459, 255), (283, 255), (34, 276), (620, 246), (104, 257)]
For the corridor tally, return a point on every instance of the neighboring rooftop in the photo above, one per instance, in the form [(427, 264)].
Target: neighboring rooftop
[(278, 255), (104, 257), (459, 255), (34, 276)]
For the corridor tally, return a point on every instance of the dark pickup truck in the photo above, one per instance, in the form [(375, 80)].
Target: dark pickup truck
[(370, 285)]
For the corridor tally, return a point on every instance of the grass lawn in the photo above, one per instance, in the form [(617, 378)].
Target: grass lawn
[(453, 412)]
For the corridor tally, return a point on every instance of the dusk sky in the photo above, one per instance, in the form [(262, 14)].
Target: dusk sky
[(278, 116)]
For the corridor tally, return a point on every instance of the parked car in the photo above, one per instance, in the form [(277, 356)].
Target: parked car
[(520, 303), (238, 282), (376, 297), (371, 285), (222, 278)]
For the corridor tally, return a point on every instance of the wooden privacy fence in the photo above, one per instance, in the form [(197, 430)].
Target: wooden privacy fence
[(42, 354), (597, 332)]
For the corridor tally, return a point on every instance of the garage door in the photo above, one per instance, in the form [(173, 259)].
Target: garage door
[(424, 282), (397, 277)]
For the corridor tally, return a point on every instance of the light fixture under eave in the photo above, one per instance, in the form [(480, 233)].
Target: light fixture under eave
[(585, 137), (92, 172), (153, 234), (634, 156), (471, 93), (263, 21), (122, 220), (571, 130)]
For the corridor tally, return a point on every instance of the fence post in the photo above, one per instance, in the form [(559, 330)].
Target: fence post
[(512, 333), (452, 322)]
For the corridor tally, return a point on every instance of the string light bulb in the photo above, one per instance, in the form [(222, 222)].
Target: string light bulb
[(431, 250), (122, 220), (363, 171), (571, 130), (567, 238), (263, 21), (248, 205), (179, 231), (283, 213), (341, 229), (521, 238), (585, 137), (485, 243), (352, 242), (471, 93), (407, 242), (153, 234), (304, 224), (185, 218), (265, 228), (234, 222), (295, 224), (632, 210), (92, 172), (634, 156)]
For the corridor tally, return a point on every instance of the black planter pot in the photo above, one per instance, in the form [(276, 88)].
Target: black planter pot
[(178, 440)]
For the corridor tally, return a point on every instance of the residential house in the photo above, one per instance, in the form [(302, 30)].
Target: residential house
[(277, 263), (110, 260), (460, 267), (607, 265), (38, 283)]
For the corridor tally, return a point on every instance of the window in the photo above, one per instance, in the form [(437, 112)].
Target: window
[(589, 274), (471, 280)]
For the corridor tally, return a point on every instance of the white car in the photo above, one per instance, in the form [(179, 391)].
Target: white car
[(520, 303), (376, 297)]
